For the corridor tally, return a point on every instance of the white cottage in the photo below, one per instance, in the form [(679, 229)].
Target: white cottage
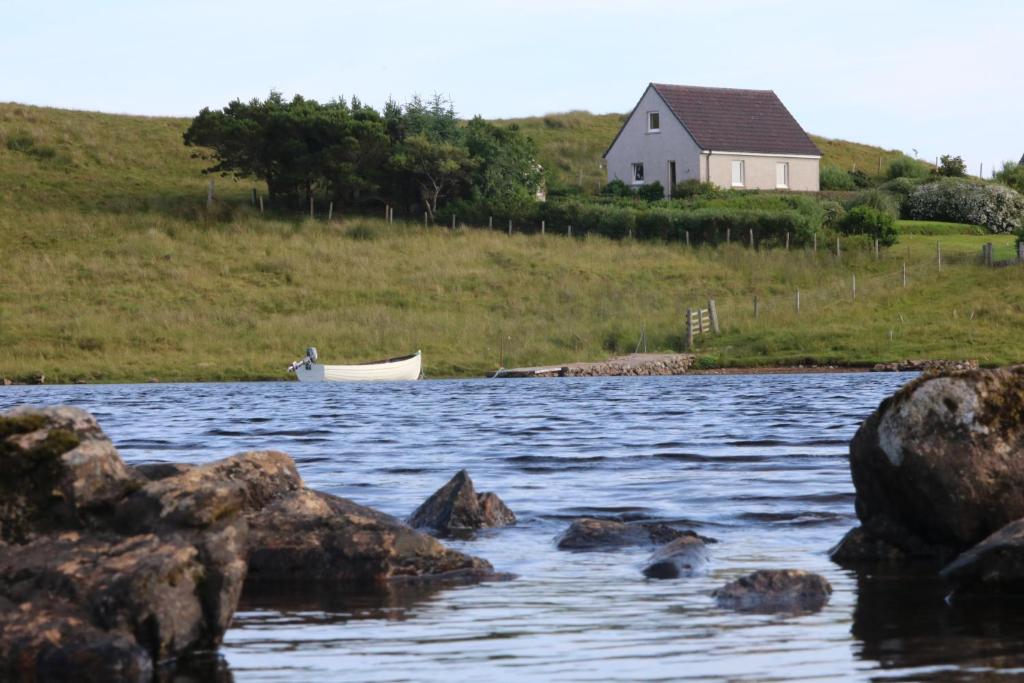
[(743, 139)]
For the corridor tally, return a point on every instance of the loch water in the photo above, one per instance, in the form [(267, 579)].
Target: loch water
[(758, 462)]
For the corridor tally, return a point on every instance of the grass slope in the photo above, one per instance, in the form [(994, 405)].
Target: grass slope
[(113, 270)]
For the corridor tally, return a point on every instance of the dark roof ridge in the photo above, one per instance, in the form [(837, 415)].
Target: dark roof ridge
[(707, 87)]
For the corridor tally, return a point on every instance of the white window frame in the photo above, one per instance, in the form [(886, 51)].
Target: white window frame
[(638, 165), (784, 166), (650, 128), (742, 166)]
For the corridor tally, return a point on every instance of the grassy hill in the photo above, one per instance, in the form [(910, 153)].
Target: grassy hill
[(114, 270)]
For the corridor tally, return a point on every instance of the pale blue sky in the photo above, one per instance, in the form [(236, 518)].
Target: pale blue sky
[(936, 76)]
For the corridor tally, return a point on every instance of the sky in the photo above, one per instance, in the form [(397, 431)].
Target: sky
[(936, 77)]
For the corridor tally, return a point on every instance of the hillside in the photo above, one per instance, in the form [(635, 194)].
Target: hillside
[(114, 270)]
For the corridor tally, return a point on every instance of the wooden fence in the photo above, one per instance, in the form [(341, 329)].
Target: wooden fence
[(701, 321), (986, 256)]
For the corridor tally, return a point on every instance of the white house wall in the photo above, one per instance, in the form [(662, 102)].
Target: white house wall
[(760, 171), (653, 150)]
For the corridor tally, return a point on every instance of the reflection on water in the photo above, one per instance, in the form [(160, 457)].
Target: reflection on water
[(758, 462)]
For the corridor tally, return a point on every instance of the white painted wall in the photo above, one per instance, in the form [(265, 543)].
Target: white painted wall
[(760, 171), (654, 150)]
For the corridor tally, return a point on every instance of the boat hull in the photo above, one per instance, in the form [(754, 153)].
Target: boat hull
[(395, 370)]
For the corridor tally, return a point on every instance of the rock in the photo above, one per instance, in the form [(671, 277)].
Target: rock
[(588, 533), (58, 467), (155, 471), (685, 556), (940, 465), (457, 508), (996, 565), (926, 366), (312, 536), (858, 547), (775, 590)]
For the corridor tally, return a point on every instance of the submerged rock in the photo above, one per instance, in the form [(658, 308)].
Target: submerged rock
[(996, 565), (588, 533), (457, 508), (106, 570), (311, 536), (775, 590), (685, 556), (940, 465)]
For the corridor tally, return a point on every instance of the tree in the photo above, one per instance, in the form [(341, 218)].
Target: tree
[(1011, 175), (951, 166), (299, 147), (437, 167), (505, 173)]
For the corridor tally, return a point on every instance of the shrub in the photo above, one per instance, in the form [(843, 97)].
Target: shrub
[(20, 141), (834, 212), (616, 188), (997, 207), (694, 188), (860, 178), (905, 167), (835, 178), (879, 200), (951, 166), (650, 192), (864, 220), (1011, 175)]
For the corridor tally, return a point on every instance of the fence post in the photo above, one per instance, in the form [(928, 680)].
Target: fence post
[(838, 249), (424, 219), (310, 207), (542, 227), (391, 215), (757, 310), (330, 211), (261, 205), (713, 312), (938, 254), (787, 241), (1020, 251), (490, 222), (387, 209), (853, 287), (815, 242), (689, 328), (569, 232), (728, 235), (876, 250), (688, 239), (904, 273), (509, 227), (453, 221), (798, 300), (252, 200), (751, 238)]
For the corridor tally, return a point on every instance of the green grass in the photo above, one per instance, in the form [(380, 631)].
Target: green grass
[(114, 270), (907, 227), (851, 156)]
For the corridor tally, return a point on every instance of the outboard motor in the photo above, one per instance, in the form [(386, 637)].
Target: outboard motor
[(311, 356)]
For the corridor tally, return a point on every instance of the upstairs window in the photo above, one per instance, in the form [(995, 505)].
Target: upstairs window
[(738, 174), (638, 174), (782, 175), (653, 122)]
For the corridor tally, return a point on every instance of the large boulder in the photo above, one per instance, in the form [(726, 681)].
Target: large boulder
[(685, 556), (996, 565), (58, 469), (940, 465), (456, 508), (775, 590), (589, 533), (310, 536)]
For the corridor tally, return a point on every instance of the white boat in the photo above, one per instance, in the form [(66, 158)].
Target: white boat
[(391, 370)]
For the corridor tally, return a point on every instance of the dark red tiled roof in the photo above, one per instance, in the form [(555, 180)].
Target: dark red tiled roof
[(730, 120)]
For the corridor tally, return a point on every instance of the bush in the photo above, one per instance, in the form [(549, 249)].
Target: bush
[(834, 213), (951, 166), (905, 167), (694, 188), (835, 178), (997, 207), (616, 188), (1011, 175), (860, 178), (20, 141), (879, 200), (650, 192), (864, 220)]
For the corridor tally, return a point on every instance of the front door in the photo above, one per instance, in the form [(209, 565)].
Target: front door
[(671, 177)]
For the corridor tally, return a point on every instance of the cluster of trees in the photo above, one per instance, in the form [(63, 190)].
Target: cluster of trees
[(418, 155)]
